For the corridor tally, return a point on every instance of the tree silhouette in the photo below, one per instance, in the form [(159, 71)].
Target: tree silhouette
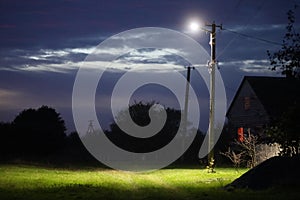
[(75, 151), (287, 59), (139, 114), (285, 131), (6, 142), (39, 132)]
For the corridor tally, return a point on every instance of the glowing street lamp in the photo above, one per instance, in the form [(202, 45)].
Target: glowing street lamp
[(195, 27)]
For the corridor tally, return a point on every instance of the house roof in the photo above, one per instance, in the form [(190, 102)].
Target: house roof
[(275, 93)]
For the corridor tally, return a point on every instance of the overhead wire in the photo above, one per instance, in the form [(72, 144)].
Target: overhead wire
[(252, 37), (237, 6)]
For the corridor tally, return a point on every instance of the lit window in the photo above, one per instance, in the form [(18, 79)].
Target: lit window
[(241, 134)]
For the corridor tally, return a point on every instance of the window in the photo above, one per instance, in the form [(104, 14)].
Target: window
[(247, 103), (240, 134)]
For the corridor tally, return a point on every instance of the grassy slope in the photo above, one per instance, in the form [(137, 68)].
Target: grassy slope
[(29, 182)]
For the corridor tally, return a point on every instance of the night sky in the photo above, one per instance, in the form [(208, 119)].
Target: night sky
[(43, 43)]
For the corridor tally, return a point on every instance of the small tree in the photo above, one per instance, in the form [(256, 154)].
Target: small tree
[(245, 150), (287, 59), (248, 145), (235, 158)]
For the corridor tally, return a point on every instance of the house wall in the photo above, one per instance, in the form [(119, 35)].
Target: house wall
[(247, 111)]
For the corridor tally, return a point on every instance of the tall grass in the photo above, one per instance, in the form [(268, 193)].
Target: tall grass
[(32, 182)]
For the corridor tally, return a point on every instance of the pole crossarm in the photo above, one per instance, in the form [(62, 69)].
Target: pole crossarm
[(212, 25)]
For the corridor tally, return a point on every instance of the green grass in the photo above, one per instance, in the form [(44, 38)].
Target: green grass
[(35, 182)]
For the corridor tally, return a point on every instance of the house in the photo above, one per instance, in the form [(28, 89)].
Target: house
[(259, 101)]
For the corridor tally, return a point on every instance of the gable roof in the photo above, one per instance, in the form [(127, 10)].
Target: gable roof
[(275, 93)]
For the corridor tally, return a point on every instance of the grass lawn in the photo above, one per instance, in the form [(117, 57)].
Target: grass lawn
[(34, 182)]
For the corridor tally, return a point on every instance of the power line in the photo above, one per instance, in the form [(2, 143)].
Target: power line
[(252, 37), (239, 3)]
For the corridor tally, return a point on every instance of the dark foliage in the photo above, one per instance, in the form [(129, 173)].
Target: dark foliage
[(76, 153), (285, 131), (287, 59), (139, 112), (34, 133), (38, 135), (7, 143)]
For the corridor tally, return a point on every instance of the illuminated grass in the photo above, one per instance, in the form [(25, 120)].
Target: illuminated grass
[(31, 182)]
